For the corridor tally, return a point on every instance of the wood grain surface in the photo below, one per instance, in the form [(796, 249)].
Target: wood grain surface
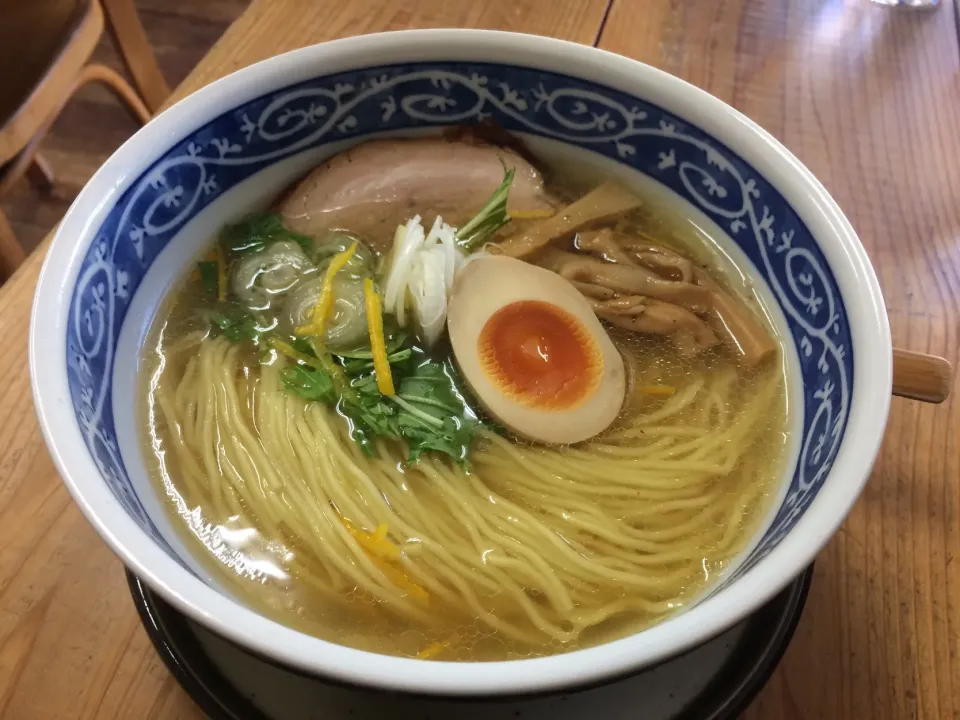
[(869, 99), (921, 377)]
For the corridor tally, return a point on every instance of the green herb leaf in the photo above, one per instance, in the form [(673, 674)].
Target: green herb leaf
[(236, 323), (308, 383), (304, 241), (208, 276), (432, 387), (430, 412), (303, 345), (369, 416), (454, 439), (437, 416), (254, 232), (396, 338), (357, 367), (491, 217)]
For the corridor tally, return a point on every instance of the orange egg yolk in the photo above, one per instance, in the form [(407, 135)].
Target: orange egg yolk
[(540, 355)]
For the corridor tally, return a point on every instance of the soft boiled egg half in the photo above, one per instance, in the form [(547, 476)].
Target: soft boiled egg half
[(530, 347)]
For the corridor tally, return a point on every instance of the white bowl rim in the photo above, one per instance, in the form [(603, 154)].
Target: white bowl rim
[(845, 255)]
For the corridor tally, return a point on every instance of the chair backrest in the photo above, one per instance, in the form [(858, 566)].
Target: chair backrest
[(43, 44)]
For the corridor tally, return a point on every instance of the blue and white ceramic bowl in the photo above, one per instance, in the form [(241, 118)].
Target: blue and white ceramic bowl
[(145, 215)]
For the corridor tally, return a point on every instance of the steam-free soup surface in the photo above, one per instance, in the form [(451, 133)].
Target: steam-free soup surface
[(410, 518)]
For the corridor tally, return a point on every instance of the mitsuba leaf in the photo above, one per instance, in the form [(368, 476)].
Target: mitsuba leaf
[(208, 276), (396, 339), (491, 217), (309, 383), (254, 232), (430, 411), (454, 438), (432, 389), (303, 345), (368, 414), (236, 323), (359, 366)]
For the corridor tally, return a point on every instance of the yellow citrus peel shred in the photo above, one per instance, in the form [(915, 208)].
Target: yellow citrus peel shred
[(656, 389), (431, 650), (378, 346), (375, 543), (321, 311), (221, 274), (381, 552), (291, 352)]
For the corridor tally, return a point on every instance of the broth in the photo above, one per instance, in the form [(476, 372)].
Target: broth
[(517, 549)]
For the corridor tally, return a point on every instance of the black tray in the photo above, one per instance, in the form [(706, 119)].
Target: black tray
[(730, 670)]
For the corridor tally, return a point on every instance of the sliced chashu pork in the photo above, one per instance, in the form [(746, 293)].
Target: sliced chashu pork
[(373, 187)]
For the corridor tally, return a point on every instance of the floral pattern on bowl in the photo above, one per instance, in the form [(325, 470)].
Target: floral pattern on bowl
[(672, 151)]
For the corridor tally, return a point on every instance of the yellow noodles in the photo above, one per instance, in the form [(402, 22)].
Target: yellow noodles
[(534, 550)]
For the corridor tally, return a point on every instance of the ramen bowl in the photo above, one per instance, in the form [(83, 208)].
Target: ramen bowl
[(148, 211)]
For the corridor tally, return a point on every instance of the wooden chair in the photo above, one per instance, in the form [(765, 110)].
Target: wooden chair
[(45, 50)]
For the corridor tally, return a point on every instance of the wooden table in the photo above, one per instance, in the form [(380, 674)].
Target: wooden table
[(868, 98)]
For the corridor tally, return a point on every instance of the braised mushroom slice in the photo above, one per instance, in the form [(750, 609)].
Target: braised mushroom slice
[(689, 334), (624, 279)]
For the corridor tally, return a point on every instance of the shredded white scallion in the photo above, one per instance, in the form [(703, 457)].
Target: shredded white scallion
[(421, 273)]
